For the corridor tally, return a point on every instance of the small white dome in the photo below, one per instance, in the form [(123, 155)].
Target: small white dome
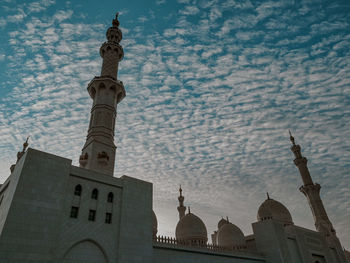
[(272, 209), (230, 236), (154, 224), (191, 228)]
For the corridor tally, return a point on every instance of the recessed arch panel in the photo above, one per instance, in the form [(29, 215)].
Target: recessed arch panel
[(86, 251)]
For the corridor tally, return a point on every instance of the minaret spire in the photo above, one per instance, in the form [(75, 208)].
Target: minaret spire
[(312, 193), (106, 91), (181, 208), (300, 162)]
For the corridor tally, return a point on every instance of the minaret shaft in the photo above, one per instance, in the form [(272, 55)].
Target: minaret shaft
[(98, 153), (322, 222), (301, 163)]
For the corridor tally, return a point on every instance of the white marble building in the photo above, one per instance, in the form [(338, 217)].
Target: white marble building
[(52, 211)]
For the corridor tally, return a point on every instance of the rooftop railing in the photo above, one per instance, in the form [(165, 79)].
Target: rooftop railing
[(196, 244)]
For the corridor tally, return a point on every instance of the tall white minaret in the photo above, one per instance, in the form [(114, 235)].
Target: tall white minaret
[(312, 193), (107, 91), (181, 208)]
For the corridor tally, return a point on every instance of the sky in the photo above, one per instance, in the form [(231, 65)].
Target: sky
[(212, 89)]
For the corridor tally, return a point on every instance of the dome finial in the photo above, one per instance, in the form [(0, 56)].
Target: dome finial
[(189, 210), (115, 21), (291, 138), (267, 194)]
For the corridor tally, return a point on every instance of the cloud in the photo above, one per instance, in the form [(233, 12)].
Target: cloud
[(215, 13), (16, 18), (3, 22), (63, 15), (39, 6), (189, 10)]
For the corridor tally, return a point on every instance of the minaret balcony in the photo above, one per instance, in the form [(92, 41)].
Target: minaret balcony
[(106, 82), (112, 48), (299, 161), (309, 190)]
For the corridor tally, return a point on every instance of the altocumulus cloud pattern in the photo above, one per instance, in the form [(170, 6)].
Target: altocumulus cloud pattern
[(212, 89)]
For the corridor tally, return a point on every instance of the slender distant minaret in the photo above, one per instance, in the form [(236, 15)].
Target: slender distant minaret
[(107, 91), (20, 154), (181, 208), (312, 193)]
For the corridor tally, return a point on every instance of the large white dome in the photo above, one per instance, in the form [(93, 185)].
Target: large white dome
[(191, 228), (272, 209), (230, 236)]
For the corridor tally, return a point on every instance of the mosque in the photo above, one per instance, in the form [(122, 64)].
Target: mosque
[(52, 211)]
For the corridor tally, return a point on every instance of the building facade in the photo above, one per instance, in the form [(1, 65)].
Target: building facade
[(53, 211)]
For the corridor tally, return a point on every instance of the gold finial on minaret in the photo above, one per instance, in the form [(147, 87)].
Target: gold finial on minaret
[(291, 138), (25, 144), (267, 194), (115, 21)]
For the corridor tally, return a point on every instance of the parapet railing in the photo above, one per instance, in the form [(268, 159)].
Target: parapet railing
[(196, 244)]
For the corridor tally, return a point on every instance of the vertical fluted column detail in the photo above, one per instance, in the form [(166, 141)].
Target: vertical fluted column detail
[(106, 91)]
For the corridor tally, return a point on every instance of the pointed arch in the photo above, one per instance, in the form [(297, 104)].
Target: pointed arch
[(78, 252), (101, 89)]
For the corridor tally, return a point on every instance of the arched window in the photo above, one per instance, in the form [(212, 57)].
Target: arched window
[(110, 198), (77, 190), (94, 194)]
